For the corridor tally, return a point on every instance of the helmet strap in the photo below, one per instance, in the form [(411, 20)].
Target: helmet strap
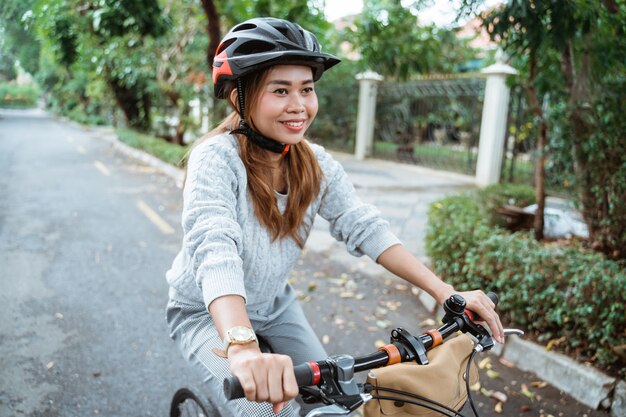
[(244, 129)]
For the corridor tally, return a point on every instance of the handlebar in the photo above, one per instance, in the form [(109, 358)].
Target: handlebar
[(403, 348)]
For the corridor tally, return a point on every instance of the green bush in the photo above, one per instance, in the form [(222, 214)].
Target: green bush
[(166, 151), (18, 96), (565, 295)]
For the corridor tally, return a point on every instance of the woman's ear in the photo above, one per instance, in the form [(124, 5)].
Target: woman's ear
[(233, 99)]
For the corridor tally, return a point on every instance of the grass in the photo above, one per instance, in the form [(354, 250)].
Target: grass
[(433, 156), (19, 96), (168, 152)]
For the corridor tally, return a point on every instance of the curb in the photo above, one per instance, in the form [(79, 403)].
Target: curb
[(585, 384)]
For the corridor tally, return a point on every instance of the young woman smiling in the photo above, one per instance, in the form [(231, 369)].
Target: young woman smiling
[(254, 186)]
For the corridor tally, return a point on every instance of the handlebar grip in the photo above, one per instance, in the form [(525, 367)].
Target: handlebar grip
[(304, 377), (475, 316), (493, 297)]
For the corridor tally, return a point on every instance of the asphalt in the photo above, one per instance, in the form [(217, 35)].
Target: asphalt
[(353, 302)]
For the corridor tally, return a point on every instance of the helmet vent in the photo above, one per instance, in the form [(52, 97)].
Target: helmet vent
[(225, 45), (244, 26), (254, 47)]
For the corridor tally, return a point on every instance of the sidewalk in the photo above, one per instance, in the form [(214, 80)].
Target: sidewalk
[(403, 194)]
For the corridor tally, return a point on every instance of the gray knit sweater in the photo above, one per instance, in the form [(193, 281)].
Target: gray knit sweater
[(226, 250)]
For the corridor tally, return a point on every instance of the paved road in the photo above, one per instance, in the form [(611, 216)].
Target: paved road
[(82, 288), (86, 235)]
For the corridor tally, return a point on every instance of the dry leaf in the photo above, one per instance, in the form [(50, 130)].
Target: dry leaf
[(506, 363), (492, 374), (50, 365), (312, 287), (538, 384), (415, 291), (401, 287), (499, 396), (383, 324), (476, 387), (498, 408), (526, 392), (485, 363), (427, 323), (346, 294)]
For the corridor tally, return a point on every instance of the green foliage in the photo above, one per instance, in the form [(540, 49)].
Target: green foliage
[(170, 153), (557, 292), (337, 94), (391, 42), (572, 54), (17, 39), (19, 96)]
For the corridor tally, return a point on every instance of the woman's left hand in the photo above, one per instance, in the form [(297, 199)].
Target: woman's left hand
[(478, 302)]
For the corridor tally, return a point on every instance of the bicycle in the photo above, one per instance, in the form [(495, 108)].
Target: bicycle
[(333, 378)]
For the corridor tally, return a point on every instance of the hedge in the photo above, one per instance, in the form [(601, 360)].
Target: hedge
[(19, 96), (563, 294)]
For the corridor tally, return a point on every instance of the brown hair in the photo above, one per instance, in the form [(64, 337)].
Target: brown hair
[(302, 171)]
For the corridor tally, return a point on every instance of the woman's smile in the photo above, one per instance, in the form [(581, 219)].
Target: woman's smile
[(287, 105)]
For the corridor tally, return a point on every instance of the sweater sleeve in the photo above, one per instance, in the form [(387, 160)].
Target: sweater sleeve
[(357, 224), (212, 234)]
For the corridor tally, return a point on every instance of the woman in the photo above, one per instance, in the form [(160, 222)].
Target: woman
[(252, 192)]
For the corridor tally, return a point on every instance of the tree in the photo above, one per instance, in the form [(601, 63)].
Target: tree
[(391, 42), (572, 46), (19, 42)]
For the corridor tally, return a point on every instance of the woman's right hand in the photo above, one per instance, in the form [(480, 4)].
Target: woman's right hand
[(263, 376)]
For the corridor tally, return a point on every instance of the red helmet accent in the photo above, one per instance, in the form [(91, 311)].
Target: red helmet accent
[(221, 66)]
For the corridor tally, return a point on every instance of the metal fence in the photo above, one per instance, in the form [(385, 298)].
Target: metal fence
[(433, 122)]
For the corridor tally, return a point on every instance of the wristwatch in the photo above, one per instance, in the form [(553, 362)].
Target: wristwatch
[(239, 335)]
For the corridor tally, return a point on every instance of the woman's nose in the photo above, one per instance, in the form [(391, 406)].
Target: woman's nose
[(296, 104)]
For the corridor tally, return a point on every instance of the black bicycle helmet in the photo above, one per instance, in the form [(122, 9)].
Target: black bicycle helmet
[(261, 42)]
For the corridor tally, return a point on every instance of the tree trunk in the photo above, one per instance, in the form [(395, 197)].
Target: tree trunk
[(581, 125), (135, 104), (540, 169), (212, 28)]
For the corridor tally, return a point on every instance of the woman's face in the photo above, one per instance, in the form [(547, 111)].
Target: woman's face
[(287, 104)]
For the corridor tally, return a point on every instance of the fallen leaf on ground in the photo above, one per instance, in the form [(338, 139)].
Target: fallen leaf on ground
[(526, 392), (50, 365), (499, 396), (401, 287), (538, 384), (498, 408), (485, 363), (492, 374), (427, 322), (506, 363)]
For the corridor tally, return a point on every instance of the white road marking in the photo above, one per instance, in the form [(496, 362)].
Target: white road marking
[(102, 168), (163, 226)]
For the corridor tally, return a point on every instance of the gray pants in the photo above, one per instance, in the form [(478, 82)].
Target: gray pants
[(285, 328)]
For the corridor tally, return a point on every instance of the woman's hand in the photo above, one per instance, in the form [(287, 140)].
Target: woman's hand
[(478, 302), (263, 376)]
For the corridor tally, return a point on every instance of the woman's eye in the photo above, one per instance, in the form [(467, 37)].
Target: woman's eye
[(280, 91), (308, 90)]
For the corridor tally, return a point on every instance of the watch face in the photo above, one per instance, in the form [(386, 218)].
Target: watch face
[(241, 334)]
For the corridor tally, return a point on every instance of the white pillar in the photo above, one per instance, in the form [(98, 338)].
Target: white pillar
[(368, 88), (493, 124)]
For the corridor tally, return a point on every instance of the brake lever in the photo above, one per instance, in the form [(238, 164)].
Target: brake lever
[(517, 332)]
